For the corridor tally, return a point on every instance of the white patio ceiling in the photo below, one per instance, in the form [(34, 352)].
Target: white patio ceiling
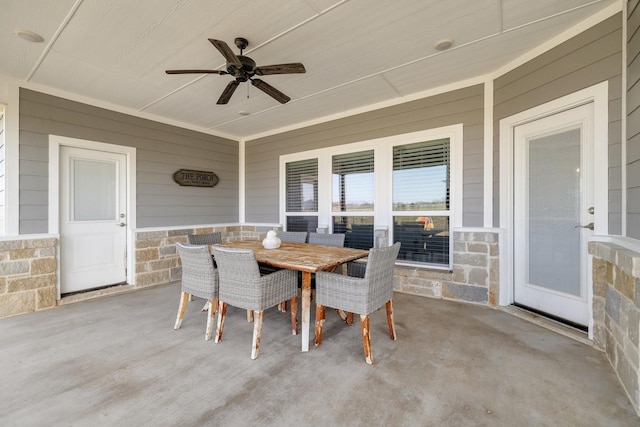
[(357, 53)]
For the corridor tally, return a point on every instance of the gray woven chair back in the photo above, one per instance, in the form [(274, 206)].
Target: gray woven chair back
[(236, 264), (380, 263), (327, 239), (379, 273), (199, 277), (292, 236), (242, 286), (205, 239), (360, 295)]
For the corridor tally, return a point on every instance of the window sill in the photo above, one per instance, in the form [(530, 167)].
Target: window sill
[(424, 265)]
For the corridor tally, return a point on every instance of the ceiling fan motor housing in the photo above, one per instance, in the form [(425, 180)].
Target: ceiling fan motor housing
[(245, 72)]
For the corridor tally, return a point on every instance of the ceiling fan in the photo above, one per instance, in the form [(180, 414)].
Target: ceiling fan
[(243, 68)]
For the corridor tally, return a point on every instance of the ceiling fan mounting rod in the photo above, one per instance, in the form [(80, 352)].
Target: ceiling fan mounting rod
[(241, 43)]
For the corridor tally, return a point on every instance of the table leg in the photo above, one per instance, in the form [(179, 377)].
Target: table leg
[(306, 309)]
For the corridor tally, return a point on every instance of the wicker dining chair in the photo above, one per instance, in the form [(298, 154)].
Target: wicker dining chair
[(360, 295), (327, 239), (200, 279), (292, 236), (205, 239), (242, 286)]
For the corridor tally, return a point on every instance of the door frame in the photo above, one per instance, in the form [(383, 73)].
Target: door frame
[(599, 96), (55, 143)]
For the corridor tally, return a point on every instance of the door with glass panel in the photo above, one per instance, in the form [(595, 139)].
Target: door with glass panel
[(92, 219), (553, 213)]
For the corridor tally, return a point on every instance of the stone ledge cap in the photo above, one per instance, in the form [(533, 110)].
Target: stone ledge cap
[(626, 259)]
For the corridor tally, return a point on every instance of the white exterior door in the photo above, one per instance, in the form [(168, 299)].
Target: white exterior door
[(553, 213), (92, 219)]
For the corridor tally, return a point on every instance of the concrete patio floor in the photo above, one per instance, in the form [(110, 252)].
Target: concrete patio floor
[(116, 361)]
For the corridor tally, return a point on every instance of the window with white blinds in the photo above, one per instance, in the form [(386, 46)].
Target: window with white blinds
[(352, 182), (420, 193), (421, 176), (302, 195), (302, 186), (406, 184), (352, 190)]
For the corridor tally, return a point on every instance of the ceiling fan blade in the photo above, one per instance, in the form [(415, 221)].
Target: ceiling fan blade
[(293, 68), (226, 51), (227, 92), (195, 72), (271, 91)]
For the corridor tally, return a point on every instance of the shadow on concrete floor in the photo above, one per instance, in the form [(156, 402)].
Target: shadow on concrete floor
[(116, 360)]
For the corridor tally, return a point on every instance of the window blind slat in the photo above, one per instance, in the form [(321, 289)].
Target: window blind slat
[(359, 162), (421, 154)]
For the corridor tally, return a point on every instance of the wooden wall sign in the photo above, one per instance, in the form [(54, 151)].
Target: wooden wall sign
[(191, 178)]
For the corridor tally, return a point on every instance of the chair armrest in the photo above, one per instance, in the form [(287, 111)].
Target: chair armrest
[(341, 292), (328, 277), (283, 275)]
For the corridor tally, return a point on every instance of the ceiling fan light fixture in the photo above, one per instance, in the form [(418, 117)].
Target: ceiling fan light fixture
[(443, 44), (29, 36)]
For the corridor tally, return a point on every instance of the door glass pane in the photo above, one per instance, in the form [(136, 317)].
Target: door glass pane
[(94, 190), (554, 211)]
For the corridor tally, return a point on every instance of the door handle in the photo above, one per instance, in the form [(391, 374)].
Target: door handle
[(589, 226), (122, 224)]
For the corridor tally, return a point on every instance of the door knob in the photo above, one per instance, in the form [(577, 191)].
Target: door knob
[(122, 224), (589, 226)]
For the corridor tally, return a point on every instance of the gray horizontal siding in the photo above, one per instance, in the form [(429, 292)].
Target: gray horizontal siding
[(160, 150), (461, 106), (633, 120), (590, 57)]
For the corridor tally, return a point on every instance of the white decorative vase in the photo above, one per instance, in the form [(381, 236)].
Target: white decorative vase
[(272, 241)]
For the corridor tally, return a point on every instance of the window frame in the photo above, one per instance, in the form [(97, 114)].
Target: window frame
[(383, 212)]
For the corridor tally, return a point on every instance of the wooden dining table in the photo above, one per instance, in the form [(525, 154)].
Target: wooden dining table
[(304, 257)]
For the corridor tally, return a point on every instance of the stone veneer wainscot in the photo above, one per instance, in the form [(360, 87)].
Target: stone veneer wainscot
[(475, 275), (616, 312), (27, 274)]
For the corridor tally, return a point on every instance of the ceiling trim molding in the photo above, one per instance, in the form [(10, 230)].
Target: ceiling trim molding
[(373, 107)]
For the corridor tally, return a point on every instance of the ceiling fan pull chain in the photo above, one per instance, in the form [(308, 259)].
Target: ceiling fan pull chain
[(247, 91)]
